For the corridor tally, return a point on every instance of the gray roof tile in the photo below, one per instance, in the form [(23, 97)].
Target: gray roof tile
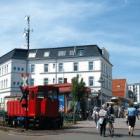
[(89, 50), (14, 54)]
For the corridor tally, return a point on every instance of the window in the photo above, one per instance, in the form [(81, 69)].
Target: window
[(18, 68), (2, 70), (46, 54), (71, 52), (61, 53), (45, 67), (80, 52), (46, 81), (14, 83), (91, 81), (6, 83), (32, 55), (6, 68), (53, 80), (14, 68), (40, 94), (31, 81), (75, 66), (60, 67), (52, 94), (2, 84), (53, 65), (60, 80), (103, 83), (22, 69), (18, 83), (32, 68), (90, 65)]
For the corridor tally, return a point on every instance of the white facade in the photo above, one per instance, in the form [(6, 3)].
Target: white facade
[(52, 71), (135, 88), (10, 77)]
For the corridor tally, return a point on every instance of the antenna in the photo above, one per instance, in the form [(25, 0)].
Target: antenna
[(27, 31)]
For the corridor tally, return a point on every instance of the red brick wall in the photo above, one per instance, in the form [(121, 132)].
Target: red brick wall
[(119, 87)]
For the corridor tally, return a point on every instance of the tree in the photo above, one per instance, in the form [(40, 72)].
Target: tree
[(78, 93)]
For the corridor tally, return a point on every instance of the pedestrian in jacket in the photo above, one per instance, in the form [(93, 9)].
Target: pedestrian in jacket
[(132, 114)]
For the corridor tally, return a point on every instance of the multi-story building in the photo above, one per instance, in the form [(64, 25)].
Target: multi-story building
[(134, 92), (53, 65), (119, 88)]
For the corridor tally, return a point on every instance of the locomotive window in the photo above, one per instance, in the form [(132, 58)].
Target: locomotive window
[(52, 94), (40, 94)]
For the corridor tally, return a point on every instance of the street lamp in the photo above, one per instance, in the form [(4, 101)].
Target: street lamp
[(101, 80)]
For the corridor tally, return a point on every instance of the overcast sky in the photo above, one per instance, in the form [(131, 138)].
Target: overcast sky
[(113, 24)]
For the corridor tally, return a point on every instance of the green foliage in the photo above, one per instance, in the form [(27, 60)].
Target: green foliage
[(78, 94), (78, 88)]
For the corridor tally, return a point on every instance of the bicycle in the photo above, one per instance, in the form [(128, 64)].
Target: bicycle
[(110, 124)]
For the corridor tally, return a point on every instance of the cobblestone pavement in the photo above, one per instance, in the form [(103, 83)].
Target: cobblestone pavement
[(119, 123)]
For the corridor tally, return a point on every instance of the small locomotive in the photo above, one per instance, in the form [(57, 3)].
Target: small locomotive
[(38, 107)]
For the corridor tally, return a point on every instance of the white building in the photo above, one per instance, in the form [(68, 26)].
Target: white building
[(52, 65), (135, 90)]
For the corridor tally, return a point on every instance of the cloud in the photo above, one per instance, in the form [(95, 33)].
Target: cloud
[(112, 24), (50, 20), (123, 49)]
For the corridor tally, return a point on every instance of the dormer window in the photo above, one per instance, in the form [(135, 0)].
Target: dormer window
[(61, 53), (32, 55), (80, 52), (46, 54), (71, 52)]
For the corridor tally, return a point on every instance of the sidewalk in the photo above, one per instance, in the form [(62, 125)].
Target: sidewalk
[(119, 123)]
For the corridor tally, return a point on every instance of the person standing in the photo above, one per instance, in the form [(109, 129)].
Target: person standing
[(132, 114), (102, 120)]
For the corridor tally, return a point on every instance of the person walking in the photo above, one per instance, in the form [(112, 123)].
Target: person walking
[(102, 120), (132, 114), (111, 119), (111, 110), (95, 115)]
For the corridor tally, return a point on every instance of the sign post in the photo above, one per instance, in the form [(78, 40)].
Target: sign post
[(25, 95)]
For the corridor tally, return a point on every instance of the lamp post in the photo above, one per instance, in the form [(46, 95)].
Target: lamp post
[(101, 81)]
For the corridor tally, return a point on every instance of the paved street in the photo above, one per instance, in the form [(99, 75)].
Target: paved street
[(81, 131), (119, 123)]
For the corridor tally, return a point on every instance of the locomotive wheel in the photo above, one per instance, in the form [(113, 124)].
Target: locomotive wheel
[(42, 123)]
